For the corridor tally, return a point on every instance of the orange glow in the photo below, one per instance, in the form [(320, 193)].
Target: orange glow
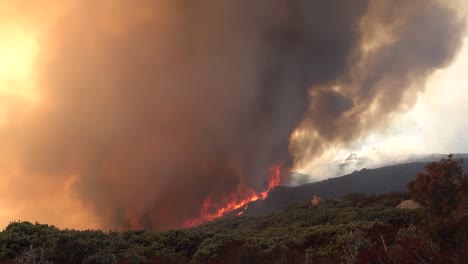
[(18, 50), (211, 211)]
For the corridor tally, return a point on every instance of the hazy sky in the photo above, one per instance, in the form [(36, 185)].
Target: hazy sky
[(69, 167)]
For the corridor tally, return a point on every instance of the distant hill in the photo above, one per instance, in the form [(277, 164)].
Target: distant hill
[(367, 181)]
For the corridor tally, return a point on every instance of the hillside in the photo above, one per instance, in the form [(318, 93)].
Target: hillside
[(357, 228), (367, 181)]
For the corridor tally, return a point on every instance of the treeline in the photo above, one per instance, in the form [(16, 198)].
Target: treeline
[(355, 229)]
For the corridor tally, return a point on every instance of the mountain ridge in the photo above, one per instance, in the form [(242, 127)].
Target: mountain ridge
[(387, 179)]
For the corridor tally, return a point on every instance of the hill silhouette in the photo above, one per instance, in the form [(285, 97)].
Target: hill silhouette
[(382, 180)]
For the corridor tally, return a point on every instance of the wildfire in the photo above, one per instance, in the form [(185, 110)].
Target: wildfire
[(211, 211)]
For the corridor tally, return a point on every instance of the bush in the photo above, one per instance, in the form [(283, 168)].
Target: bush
[(439, 190)]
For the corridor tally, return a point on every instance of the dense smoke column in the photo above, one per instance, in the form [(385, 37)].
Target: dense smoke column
[(156, 105)]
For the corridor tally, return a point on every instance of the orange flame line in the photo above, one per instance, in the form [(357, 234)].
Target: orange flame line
[(205, 216)]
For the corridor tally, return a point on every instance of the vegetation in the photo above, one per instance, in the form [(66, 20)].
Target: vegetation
[(355, 229), (440, 189)]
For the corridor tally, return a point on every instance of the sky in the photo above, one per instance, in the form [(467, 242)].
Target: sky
[(79, 149)]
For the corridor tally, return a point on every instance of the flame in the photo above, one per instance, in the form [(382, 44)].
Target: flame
[(211, 211)]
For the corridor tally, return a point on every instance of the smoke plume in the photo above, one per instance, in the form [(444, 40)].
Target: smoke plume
[(152, 106)]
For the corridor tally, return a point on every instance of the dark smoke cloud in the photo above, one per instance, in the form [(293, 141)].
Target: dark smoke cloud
[(155, 105)]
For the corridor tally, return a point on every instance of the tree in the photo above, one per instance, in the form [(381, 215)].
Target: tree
[(439, 189)]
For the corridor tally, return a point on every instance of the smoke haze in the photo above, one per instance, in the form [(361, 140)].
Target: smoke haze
[(149, 107)]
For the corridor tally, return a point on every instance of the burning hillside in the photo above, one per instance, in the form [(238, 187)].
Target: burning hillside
[(237, 200)]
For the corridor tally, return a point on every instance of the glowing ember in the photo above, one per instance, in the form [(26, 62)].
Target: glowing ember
[(211, 211)]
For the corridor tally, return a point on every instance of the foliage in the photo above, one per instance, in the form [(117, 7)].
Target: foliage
[(440, 188), (33, 256), (329, 227)]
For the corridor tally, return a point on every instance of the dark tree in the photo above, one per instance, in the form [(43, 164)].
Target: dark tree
[(440, 188)]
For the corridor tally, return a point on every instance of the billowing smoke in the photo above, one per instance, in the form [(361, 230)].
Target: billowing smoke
[(401, 46), (155, 105)]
